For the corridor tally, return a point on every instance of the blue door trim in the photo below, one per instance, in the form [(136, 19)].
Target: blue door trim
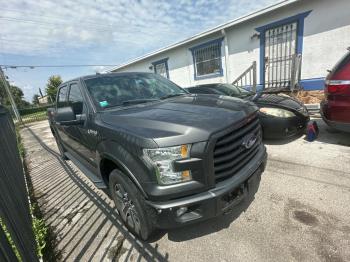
[(162, 61), (299, 18), (313, 84)]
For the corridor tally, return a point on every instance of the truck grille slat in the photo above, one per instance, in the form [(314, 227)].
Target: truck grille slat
[(234, 135), (230, 164), (229, 153), (222, 150), (229, 172)]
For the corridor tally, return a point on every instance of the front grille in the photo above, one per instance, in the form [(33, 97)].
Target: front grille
[(230, 155)]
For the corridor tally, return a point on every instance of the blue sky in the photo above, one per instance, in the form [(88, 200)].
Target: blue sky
[(35, 32)]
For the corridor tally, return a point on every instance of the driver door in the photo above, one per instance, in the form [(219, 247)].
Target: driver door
[(76, 139)]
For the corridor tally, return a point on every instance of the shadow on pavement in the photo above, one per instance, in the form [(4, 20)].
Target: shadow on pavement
[(282, 141), (51, 183), (329, 135)]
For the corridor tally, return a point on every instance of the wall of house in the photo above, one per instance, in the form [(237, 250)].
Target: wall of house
[(180, 64), (326, 37)]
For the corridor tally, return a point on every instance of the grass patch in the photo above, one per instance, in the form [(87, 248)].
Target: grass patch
[(37, 116), (45, 236), (8, 236)]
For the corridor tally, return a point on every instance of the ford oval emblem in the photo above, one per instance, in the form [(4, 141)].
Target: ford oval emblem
[(249, 140)]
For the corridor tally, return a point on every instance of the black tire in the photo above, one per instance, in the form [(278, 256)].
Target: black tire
[(132, 208)]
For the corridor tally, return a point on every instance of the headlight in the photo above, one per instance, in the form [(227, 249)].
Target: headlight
[(277, 112), (303, 110), (163, 158)]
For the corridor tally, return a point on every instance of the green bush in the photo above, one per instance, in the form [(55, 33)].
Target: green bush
[(31, 110)]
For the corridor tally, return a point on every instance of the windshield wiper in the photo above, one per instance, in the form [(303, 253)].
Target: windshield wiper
[(138, 101), (172, 95)]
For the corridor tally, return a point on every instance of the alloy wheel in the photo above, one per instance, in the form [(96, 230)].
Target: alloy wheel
[(126, 208)]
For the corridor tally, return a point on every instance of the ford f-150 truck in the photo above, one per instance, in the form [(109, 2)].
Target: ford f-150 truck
[(167, 158)]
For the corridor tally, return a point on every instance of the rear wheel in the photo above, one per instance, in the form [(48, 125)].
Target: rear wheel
[(131, 205)]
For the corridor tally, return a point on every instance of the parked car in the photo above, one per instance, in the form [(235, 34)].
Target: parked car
[(167, 157), (281, 116), (335, 108)]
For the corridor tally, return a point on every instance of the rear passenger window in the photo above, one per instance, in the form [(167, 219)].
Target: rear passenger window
[(62, 96)]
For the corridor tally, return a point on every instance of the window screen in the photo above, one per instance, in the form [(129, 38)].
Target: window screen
[(208, 59)]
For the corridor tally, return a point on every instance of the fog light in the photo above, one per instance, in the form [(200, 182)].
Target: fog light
[(181, 211)]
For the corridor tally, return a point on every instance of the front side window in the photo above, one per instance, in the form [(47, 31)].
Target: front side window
[(75, 99), (207, 59), (62, 96), (129, 89)]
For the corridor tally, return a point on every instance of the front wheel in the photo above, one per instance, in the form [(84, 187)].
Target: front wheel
[(131, 205)]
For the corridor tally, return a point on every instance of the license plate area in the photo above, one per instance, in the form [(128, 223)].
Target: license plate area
[(234, 197)]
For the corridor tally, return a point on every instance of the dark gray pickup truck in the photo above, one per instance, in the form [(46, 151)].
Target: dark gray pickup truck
[(166, 157)]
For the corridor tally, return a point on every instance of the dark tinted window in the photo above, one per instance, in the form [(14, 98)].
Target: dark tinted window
[(120, 90), (75, 99), (220, 89), (203, 90), (231, 90), (62, 96)]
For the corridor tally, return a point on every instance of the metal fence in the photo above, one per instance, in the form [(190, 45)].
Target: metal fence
[(14, 201)]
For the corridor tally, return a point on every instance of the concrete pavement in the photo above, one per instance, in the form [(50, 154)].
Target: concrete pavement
[(300, 213)]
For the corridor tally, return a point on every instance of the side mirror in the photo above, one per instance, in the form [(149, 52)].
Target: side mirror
[(64, 114)]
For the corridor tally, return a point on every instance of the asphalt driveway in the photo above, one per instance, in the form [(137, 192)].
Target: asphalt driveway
[(301, 211)]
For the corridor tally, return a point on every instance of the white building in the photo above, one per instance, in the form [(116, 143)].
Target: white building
[(318, 30)]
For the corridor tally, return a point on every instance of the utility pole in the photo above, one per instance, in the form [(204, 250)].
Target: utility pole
[(12, 101)]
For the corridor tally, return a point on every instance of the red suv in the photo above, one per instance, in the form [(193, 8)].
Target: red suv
[(335, 108)]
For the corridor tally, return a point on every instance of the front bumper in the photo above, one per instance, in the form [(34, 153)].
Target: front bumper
[(277, 128), (341, 126), (225, 196)]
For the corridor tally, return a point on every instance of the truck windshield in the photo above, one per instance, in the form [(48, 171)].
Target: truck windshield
[(130, 89)]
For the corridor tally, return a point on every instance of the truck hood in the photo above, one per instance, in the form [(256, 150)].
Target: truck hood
[(185, 119)]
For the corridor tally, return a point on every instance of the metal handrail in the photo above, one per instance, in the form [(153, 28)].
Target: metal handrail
[(247, 78)]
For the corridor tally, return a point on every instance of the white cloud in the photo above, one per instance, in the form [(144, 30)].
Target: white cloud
[(100, 31), (50, 28)]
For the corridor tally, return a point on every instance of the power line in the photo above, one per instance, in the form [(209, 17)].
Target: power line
[(36, 66), (50, 25), (61, 18)]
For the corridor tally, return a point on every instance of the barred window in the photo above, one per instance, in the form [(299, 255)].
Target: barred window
[(207, 59), (161, 67)]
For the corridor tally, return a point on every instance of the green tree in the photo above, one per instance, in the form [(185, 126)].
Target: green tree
[(17, 95), (52, 86), (35, 100)]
